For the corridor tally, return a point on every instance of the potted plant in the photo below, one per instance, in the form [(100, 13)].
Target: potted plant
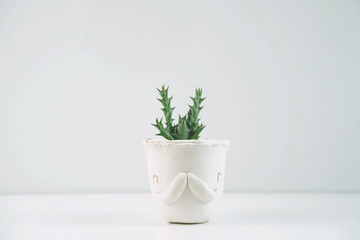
[(185, 174)]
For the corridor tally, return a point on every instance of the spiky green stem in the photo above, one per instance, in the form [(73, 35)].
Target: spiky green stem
[(163, 132), (167, 109), (193, 114), (188, 126)]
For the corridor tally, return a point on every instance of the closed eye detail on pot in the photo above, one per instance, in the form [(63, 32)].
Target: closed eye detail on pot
[(219, 177), (155, 179)]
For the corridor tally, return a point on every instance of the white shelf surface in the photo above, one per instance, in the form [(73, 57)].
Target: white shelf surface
[(134, 216)]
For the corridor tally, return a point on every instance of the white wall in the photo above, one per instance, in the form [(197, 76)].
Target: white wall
[(78, 78)]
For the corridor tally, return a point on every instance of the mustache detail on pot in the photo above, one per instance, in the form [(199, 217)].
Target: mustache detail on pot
[(200, 189), (197, 186), (175, 190)]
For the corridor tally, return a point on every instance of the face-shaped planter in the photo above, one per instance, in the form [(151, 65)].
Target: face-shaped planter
[(186, 177)]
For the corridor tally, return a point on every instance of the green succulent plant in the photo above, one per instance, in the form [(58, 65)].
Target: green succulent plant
[(188, 126)]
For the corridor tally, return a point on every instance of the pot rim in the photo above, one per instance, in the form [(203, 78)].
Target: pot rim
[(161, 141)]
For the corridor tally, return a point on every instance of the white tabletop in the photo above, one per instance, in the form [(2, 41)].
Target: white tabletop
[(134, 216)]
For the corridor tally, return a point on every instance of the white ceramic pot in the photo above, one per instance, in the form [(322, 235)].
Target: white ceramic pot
[(186, 177)]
